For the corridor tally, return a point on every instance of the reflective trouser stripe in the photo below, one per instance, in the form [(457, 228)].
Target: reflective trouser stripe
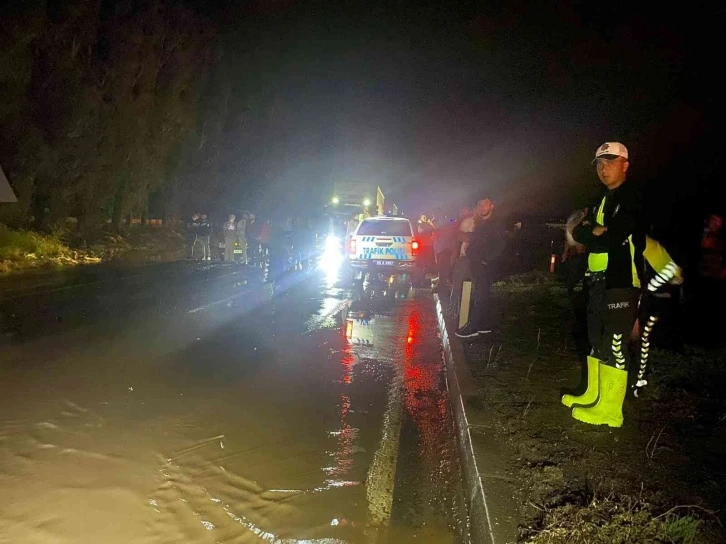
[(617, 349), (645, 349)]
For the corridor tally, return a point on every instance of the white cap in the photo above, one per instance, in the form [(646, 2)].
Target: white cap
[(611, 150)]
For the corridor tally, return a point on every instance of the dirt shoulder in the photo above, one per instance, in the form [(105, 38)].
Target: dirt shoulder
[(660, 478)]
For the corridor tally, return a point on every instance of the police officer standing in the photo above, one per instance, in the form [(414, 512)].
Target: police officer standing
[(615, 263)]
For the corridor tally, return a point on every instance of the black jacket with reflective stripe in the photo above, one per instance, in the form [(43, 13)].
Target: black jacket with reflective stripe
[(622, 217)]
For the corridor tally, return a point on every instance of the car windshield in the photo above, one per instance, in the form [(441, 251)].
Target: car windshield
[(384, 228)]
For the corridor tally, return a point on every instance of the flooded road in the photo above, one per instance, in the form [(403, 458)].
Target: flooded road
[(197, 408)]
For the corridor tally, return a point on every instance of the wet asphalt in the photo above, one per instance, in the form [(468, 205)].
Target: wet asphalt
[(188, 402)]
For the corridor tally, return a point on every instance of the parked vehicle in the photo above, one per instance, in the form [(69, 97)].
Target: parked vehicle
[(384, 246)]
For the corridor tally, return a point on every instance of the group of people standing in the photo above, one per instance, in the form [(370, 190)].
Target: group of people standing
[(626, 271), (246, 235)]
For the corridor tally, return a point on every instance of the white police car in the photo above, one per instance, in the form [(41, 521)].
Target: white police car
[(383, 244)]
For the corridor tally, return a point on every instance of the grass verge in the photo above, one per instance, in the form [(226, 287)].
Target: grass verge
[(23, 251), (26, 250), (578, 483), (613, 520)]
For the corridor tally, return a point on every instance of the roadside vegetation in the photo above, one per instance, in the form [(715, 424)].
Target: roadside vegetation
[(24, 251), (612, 520)]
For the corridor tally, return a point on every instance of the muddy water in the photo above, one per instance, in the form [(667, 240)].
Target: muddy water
[(292, 422)]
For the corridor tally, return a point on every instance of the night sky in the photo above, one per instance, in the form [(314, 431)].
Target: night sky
[(440, 102)]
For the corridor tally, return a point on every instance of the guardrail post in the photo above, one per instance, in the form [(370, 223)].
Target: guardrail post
[(465, 303)]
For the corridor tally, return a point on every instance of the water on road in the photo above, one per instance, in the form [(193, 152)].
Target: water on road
[(197, 409)]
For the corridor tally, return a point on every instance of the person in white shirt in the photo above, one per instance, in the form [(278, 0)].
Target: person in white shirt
[(242, 236), (466, 227), (229, 230)]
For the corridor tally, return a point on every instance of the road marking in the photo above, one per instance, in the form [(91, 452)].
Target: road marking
[(382, 473), (218, 302)]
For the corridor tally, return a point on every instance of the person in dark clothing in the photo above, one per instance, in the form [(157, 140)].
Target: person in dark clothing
[(658, 304), (574, 261), (484, 251), (424, 236), (204, 234), (461, 271), (264, 240), (278, 251), (707, 292), (443, 240), (574, 256)]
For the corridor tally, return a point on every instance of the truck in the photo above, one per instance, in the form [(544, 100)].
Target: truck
[(350, 197)]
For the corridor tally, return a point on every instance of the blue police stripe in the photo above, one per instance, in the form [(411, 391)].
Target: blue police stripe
[(397, 239)]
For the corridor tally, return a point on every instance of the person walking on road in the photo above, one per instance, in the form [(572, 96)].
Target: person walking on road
[(229, 230), (484, 251)]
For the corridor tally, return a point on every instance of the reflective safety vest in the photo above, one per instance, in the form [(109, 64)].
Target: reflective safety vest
[(666, 269), (598, 262)]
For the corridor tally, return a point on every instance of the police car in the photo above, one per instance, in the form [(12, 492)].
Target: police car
[(383, 244)]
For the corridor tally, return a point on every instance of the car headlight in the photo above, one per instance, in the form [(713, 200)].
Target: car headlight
[(331, 243)]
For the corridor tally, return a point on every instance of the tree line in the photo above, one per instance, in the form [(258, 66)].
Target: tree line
[(104, 109)]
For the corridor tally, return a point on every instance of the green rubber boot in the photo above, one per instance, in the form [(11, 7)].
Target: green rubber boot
[(608, 410), (590, 395)]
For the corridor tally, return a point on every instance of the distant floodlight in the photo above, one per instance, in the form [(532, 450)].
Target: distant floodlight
[(335, 200), (367, 202)]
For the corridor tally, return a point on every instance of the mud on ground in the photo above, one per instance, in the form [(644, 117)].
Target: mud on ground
[(659, 478)]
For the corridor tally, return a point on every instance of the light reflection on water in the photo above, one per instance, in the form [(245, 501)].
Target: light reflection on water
[(275, 449)]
